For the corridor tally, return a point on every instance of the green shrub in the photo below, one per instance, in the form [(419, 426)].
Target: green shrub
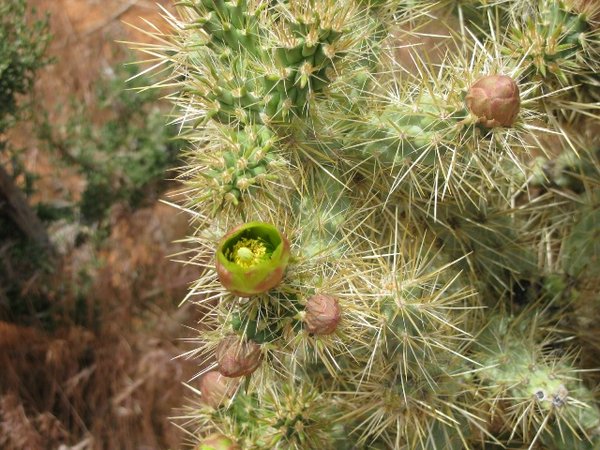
[(123, 156), (22, 47)]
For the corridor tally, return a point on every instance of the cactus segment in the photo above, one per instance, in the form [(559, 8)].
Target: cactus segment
[(488, 242), (540, 396), (442, 220), (295, 417), (267, 61), (570, 171), (237, 168), (268, 319), (555, 37)]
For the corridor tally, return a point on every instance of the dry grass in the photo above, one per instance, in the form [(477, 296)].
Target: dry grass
[(113, 382), (106, 389)]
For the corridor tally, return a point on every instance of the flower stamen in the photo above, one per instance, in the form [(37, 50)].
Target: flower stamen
[(248, 252)]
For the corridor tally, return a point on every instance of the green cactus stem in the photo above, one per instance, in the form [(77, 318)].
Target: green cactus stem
[(540, 395)]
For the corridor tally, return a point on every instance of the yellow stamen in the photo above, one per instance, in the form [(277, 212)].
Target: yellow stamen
[(247, 252)]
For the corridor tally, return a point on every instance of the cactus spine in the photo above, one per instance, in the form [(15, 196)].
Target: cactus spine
[(432, 228)]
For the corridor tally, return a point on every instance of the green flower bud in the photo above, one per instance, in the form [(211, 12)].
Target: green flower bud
[(237, 358), (216, 388), (217, 442), (252, 258), (494, 100), (322, 314)]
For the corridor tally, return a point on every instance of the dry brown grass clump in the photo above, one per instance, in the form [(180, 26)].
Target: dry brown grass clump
[(108, 376), (110, 389)]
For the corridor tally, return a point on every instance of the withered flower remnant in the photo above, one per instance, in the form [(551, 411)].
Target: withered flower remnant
[(237, 358), (322, 314), (494, 100)]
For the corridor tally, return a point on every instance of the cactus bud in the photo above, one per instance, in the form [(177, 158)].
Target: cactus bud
[(252, 258), (494, 100), (217, 442), (216, 388), (322, 314), (237, 358)]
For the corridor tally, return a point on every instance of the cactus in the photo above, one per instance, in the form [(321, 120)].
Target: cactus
[(391, 256)]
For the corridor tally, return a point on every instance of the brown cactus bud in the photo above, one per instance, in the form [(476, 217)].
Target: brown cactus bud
[(322, 314), (494, 100), (237, 358), (217, 442), (216, 388)]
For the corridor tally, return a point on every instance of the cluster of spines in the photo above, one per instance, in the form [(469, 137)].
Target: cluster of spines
[(536, 394), (266, 61), (432, 159), (242, 162)]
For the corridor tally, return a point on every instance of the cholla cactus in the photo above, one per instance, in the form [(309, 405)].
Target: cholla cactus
[(391, 255)]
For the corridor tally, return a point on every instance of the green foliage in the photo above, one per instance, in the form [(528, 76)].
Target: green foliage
[(22, 47), (123, 157), (23, 41)]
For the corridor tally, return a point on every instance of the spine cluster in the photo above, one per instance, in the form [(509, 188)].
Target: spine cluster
[(392, 255)]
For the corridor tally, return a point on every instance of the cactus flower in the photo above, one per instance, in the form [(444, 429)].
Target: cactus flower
[(216, 388), (217, 442), (237, 358), (322, 314), (494, 100), (252, 258)]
